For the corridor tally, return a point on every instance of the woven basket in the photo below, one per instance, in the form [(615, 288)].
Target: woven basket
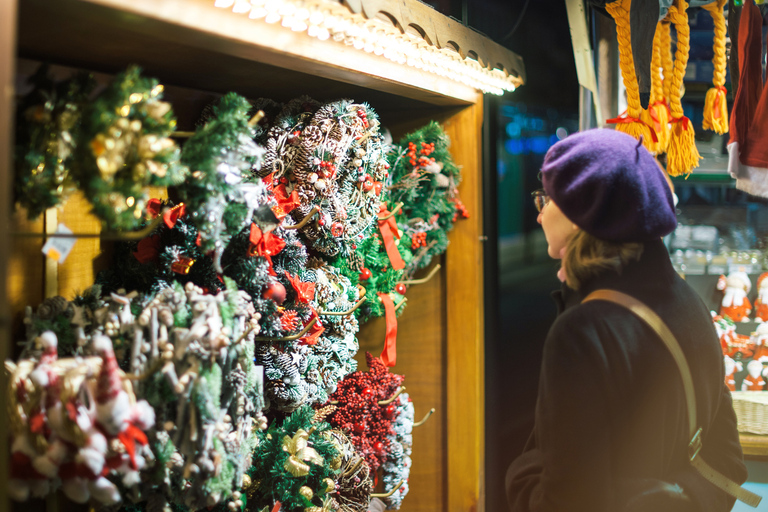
[(751, 411)]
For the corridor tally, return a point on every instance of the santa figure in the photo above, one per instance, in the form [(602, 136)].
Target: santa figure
[(735, 303), (754, 380), (731, 367), (761, 303), (760, 341)]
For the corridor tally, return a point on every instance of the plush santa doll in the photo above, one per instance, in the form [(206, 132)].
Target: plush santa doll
[(761, 303), (760, 340), (754, 380), (731, 367), (735, 303)]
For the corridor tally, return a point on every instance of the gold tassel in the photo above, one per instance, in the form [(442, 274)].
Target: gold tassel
[(631, 123), (657, 115), (682, 155), (716, 104)]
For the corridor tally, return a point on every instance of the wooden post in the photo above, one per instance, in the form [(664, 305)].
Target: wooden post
[(7, 65), (465, 372)]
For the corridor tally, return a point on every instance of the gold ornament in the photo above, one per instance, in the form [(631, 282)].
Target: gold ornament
[(330, 485), (300, 453), (306, 492)]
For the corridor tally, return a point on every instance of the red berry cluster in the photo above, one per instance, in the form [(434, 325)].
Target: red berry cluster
[(327, 169), (359, 414), (367, 183), (419, 240), (460, 209), (363, 117), (426, 150)]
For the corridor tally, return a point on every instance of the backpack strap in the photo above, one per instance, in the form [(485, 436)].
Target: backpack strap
[(694, 446)]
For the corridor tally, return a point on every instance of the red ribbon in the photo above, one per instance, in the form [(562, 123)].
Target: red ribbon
[(654, 114), (389, 354), (682, 119), (285, 202), (624, 118), (130, 437), (305, 291), (265, 245), (276, 508), (716, 103), (388, 228)]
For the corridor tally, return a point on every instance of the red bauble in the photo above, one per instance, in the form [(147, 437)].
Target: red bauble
[(367, 392), (400, 288), (378, 446), (359, 428), (389, 412), (276, 292), (365, 274)]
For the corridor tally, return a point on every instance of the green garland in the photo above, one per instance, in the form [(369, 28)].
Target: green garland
[(126, 149)]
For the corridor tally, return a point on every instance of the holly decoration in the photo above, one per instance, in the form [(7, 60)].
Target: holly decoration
[(47, 133), (126, 149)]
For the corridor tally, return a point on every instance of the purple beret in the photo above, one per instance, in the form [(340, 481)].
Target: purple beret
[(610, 186)]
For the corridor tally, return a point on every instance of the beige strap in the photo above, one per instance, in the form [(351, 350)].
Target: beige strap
[(660, 328)]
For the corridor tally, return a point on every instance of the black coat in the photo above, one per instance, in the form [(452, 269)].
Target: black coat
[(611, 405)]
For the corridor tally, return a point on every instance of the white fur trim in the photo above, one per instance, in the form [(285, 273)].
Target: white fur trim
[(18, 490), (49, 339), (752, 180), (104, 491), (143, 415), (76, 489), (102, 344)]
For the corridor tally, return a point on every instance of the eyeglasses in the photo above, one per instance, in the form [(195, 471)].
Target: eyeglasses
[(540, 199)]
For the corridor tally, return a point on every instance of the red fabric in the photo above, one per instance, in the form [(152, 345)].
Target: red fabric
[(625, 118), (389, 354), (147, 249), (305, 292), (285, 202), (389, 232), (130, 437), (750, 75), (171, 216), (21, 468), (266, 244), (314, 332)]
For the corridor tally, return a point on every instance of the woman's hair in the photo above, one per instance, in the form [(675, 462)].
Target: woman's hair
[(587, 256)]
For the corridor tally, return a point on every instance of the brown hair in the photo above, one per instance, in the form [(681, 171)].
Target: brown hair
[(587, 256)]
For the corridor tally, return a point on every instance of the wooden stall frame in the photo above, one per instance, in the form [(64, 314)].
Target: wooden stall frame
[(442, 328)]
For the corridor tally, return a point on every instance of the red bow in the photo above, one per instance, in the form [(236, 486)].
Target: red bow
[(147, 249), (625, 118), (305, 291), (285, 202), (722, 91), (388, 228), (154, 207), (681, 119), (129, 437), (265, 245), (314, 332)]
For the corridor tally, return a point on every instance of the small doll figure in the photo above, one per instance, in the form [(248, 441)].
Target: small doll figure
[(760, 341), (731, 367), (735, 303), (754, 381), (761, 303)]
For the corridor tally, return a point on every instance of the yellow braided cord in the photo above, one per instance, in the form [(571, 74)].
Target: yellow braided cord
[(716, 104), (667, 65), (657, 114), (619, 10), (682, 155)]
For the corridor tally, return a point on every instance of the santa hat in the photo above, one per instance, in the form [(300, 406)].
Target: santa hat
[(743, 277), (761, 279), (50, 343), (108, 384)]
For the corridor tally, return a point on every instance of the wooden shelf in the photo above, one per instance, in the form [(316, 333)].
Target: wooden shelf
[(754, 446), (194, 43)]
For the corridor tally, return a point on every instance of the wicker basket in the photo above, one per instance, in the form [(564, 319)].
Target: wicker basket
[(751, 411)]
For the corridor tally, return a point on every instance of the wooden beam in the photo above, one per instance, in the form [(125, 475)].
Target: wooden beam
[(465, 373)]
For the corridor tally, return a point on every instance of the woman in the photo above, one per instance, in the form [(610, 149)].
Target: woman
[(611, 422)]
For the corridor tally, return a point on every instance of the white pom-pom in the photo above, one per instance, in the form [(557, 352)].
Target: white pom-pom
[(102, 344), (45, 466), (91, 458), (143, 415), (18, 490), (49, 340), (105, 491), (76, 489)]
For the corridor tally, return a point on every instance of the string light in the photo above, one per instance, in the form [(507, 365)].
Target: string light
[(323, 21)]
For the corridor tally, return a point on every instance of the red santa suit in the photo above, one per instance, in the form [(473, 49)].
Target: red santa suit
[(730, 381), (735, 303), (753, 383)]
